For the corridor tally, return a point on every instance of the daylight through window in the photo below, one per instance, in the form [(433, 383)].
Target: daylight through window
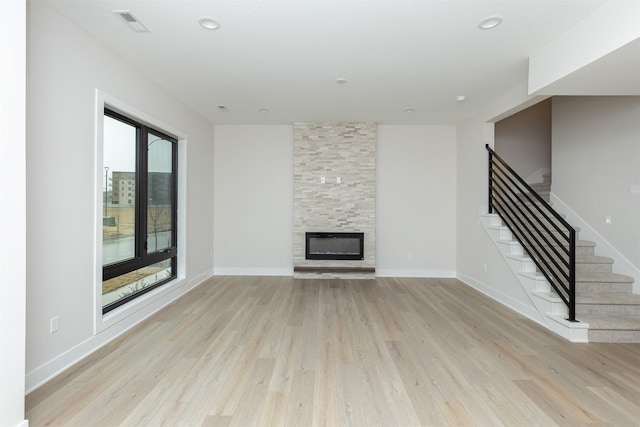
[(139, 236)]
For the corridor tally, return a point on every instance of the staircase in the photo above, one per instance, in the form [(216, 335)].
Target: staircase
[(606, 308)]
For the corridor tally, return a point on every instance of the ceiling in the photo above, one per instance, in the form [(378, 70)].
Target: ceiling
[(285, 56)]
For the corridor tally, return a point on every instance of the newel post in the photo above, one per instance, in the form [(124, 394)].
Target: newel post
[(490, 176)]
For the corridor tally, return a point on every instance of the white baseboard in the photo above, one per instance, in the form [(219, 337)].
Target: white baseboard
[(241, 271), (289, 272), (527, 311), (390, 272), (59, 364)]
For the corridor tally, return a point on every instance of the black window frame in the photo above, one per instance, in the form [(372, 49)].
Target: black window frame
[(141, 257)]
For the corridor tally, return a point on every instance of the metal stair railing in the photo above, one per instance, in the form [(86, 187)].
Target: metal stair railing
[(546, 237)]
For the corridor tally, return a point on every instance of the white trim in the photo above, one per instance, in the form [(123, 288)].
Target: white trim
[(54, 367), (622, 264), (391, 272), (103, 322), (515, 305), (242, 271)]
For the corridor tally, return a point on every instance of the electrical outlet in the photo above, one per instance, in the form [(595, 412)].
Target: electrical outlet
[(485, 268), (54, 324), (635, 190), (409, 256)]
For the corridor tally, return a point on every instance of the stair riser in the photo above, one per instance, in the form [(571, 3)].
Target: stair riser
[(549, 224), (580, 250), (545, 195), (549, 219), (544, 187), (534, 217), (585, 251), (605, 335), (603, 287), (607, 309), (526, 202), (593, 268), (546, 221), (562, 237)]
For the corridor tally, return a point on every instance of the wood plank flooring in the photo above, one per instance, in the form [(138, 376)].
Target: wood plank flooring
[(275, 351)]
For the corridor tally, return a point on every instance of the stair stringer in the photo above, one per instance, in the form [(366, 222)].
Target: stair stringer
[(552, 309)]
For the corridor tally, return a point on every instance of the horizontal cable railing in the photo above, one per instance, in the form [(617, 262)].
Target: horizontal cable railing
[(546, 237)]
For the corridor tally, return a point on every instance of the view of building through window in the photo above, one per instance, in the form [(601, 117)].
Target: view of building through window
[(119, 219), (139, 209)]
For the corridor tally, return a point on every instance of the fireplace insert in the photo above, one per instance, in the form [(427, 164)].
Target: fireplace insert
[(338, 246)]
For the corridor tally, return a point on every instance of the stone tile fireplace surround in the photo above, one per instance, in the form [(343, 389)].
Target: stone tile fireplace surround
[(343, 155)]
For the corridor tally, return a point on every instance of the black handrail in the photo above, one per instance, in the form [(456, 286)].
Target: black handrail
[(548, 239)]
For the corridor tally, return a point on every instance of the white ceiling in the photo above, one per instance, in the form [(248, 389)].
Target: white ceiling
[(285, 56)]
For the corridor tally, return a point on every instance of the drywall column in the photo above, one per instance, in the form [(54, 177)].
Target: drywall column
[(610, 27), (12, 211)]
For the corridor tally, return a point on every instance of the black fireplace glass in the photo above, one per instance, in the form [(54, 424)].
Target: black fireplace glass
[(334, 246)]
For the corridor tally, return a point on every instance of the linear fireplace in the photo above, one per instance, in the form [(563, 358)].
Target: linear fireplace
[(338, 246)]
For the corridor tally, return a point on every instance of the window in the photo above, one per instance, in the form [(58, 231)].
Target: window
[(139, 239)]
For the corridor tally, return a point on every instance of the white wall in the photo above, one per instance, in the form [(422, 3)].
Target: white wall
[(596, 159), (523, 140), (253, 200), (65, 68), (12, 211), (253, 214), (474, 249), (416, 201)]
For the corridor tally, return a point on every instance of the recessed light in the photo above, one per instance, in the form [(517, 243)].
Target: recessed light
[(461, 98), (264, 110), (208, 23), (341, 80), (490, 22), (409, 110)]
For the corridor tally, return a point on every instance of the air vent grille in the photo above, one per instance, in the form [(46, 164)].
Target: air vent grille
[(130, 19)]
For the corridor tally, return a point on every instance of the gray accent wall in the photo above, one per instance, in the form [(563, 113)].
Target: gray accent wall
[(524, 141), (334, 151), (596, 162)]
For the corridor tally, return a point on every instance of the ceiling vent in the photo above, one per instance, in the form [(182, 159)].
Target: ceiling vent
[(131, 21)]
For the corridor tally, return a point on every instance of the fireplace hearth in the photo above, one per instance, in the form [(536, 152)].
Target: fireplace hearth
[(334, 246)]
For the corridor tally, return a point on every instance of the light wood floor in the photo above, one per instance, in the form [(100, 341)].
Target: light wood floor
[(282, 352)]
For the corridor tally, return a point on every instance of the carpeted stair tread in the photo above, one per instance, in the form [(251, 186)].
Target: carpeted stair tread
[(602, 277), (613, 298), (579, 244)]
